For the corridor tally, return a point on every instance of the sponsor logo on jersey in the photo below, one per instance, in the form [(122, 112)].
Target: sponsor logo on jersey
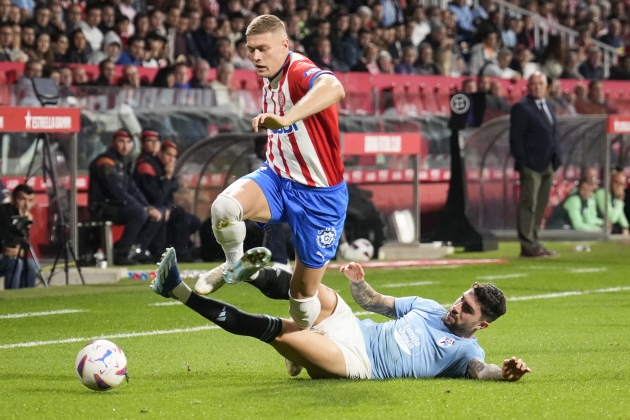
[(445, 342), (310, 71), (408, 341), (286, 130), (326, 237)]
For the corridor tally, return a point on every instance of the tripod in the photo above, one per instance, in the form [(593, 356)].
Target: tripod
[(23, 250), (60, 231)]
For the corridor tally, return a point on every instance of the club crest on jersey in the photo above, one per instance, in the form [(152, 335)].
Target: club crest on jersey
[(446, 342), (326, 237), (281, 100), (286, 130)]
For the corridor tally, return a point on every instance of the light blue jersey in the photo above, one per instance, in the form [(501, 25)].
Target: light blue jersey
[(417, 344)]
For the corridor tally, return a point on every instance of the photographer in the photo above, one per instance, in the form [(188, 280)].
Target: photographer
[(15, 221)]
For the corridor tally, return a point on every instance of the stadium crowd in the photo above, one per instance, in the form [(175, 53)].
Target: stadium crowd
[(387, 36)]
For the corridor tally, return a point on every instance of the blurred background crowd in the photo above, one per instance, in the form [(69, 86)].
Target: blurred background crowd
[(184, 37)]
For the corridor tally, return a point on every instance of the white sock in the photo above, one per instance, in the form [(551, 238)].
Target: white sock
[(181, 292), (304, 311), (233, 255)]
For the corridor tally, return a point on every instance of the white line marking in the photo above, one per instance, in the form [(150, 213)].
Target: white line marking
[(573, 293), (588, 270), (417, 283), (45, 313), (123, 335), (175, 302), (359, 313), (504, 276)]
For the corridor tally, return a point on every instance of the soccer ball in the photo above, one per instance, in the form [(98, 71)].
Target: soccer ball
[(361, 249), (101, 365)]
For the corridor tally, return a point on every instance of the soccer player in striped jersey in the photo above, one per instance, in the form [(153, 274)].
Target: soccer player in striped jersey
[(302, 180)]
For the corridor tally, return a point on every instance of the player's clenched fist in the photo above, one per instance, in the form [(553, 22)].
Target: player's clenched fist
[(270, 121)]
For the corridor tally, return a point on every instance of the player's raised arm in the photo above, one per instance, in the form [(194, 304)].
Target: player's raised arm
[(365, 295), (513, 370)]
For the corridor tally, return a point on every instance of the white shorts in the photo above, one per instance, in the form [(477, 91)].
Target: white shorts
[(342, 328)]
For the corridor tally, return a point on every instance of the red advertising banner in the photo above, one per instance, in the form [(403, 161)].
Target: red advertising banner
[(40, 120), (618, 124), (381, 144)]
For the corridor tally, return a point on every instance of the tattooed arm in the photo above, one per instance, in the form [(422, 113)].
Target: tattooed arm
[(513, 370), (364, 295)]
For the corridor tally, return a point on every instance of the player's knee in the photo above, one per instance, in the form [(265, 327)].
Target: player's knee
[(304, 311), (225, 211)]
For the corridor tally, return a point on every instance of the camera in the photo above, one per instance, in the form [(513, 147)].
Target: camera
[(20, 224)]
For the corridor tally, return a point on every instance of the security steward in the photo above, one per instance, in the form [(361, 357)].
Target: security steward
[(113, 196), (159, 187)]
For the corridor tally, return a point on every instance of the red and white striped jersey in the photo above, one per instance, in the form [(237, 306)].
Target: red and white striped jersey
[(308, 152)]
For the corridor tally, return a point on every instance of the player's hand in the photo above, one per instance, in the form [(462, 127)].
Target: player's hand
[(270, 121), (514, 369), (154, 214), (353, 271)]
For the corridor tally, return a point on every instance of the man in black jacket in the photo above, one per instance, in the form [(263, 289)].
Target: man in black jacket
[(113, 196), (534, 146)]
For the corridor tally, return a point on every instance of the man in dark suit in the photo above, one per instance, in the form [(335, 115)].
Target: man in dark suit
[(534, 146)]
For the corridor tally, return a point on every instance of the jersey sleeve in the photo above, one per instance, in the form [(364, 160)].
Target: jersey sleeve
[(465, 355), (303, 74), (407, 304)]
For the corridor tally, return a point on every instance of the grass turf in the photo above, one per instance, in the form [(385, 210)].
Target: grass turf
[(577, 347)]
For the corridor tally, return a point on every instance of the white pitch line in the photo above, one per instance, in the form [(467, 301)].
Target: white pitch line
[(175, 302), (123, 335), (504, 276), (417, 283), (45, 313), (588, 270), (573, 293)]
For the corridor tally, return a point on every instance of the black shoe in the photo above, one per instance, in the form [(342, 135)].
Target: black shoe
[(532, 252), (548, 253)]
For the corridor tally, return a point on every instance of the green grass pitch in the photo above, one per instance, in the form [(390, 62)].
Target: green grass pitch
[(576, 344)]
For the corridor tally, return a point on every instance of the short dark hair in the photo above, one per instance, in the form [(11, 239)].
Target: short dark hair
[(22, 188), (103, 63), (491, 299)]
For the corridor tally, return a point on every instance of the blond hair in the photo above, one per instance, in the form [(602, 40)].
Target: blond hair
[(264, 24)]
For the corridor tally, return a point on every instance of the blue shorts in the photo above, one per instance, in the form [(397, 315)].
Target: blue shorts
[(316, 215)]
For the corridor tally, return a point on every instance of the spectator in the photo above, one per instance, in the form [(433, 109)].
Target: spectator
[(41, 22), (112, 46), (201, 70), (7, 53), (385, 63), (481, 12), (621, 72), (108, 19), (241, 59), (156, 22), (564, 103), (223, 53), (495, 101), (114, 196), (165, 78), (465, 26), (534, 146), (367, 63), (578, 211), (60, 48), (341, 25), (79, 50), (79, 76), (42, 48), (15, 15), (131, 78), (616, 204), (204, 38), (553, 57), (12, 246), (73, 19), (352, 40), (613, 37), (407, 64), (181, 76), (469, 86), (425, 64), (483, 53), (322, 30), (141, 25), (592, 67), (595, 102), (421, 29), (526, 36), (28, 40), (184, 46), (107, 73), (237, 28), (123, 29), (156, 56), (134, 55), (5, 9), (56, 18), (524, 63), (128, 9), (508, 34), (571, 67), (323, 58), (225, 95), (51, 72), (90, 29), (501, 68), (483, 84), (194, 17), (65, 76)]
